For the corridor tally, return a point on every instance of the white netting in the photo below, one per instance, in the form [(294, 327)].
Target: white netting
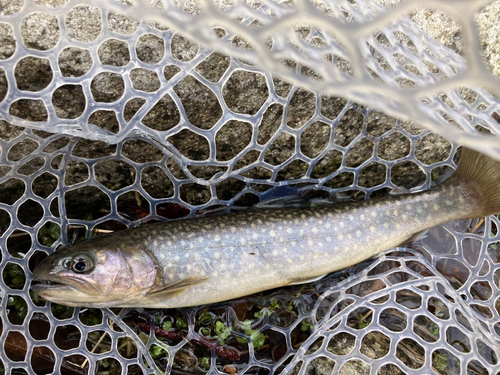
[(111, 122)]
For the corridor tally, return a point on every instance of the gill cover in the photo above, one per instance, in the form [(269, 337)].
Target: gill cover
[(96, 272)]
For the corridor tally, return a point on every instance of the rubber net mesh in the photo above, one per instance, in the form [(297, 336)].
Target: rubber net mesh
[(118, 114)]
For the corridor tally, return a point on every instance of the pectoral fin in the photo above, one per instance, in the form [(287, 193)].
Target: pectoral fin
[(176, 288)]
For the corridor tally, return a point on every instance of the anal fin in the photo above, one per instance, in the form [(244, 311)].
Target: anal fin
[(415, 237), (305, 281)]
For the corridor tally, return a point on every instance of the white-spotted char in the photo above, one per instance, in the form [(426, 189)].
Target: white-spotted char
[(207, 260)]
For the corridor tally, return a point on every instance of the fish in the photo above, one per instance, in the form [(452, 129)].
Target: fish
[(212, 259)]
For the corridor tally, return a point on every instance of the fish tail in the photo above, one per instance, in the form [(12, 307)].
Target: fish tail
[(480, 176)]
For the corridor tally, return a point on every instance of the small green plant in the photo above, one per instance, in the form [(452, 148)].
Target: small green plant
[(49, 233), (180, 324), (157, 351), (167, 324), (13, 275), (435, 176), (90, 317), (363, 323), (274, 305), (103, 363), (19, 305), (306, 325), (61, 312), (440, 362), (204, 363), (143, 337), (35, 298), (258, 338), (263, 312), (222, 332)]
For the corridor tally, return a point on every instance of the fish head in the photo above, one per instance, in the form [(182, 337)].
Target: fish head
[(96, 273)]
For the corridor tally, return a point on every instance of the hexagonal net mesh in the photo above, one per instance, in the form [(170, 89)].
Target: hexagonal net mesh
[(119, 114)]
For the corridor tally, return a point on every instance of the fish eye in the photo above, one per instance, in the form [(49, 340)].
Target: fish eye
[(81, 264)]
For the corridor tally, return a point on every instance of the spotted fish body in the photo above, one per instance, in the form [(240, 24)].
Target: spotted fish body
[(201, 261)]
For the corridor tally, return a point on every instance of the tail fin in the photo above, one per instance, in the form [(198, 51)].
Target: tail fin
[(480, 176)]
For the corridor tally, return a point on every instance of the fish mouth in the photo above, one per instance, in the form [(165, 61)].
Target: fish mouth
[(46, 285)]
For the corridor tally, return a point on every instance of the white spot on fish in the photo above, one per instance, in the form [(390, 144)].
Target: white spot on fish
[(289, 230), (396, 213), (216, 255), (405, 217), (310, 242), (358, 233), (197, 256), (272, 233), (177, 258), (419, 210), (294, 243), (436, 207), (448, 202), (217, 238), (386, 225), (398, 226), (328, 239), (275, 253), (341, 236), (374, 213), (315, 230), (328, 225), (255, 236), (351, 218), (155, 243), (372, 229)]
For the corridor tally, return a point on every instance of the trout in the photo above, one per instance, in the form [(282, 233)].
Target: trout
[(212, 259)]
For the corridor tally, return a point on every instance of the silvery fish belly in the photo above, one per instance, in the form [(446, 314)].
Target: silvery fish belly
[(201, 261)]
